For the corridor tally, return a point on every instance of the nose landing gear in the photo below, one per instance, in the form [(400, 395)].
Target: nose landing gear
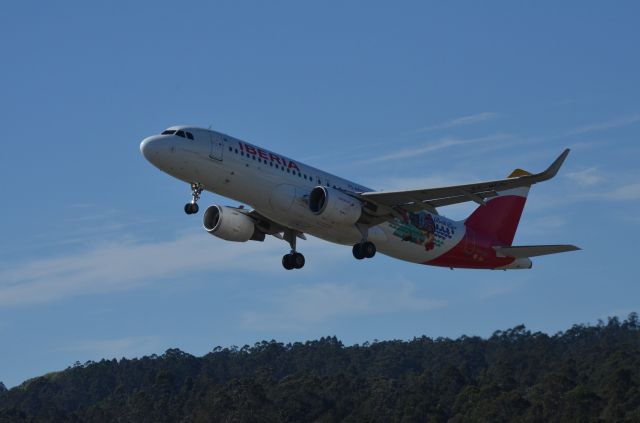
[(192, 207)]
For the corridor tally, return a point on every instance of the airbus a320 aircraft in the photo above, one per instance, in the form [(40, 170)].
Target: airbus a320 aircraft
[(289, 199)]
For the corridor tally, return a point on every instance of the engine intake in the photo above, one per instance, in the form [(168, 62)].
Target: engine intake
[(334, 206), (229, 224)]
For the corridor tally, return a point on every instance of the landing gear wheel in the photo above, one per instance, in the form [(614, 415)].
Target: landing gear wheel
[(298, 260), (368, 249), (293, 261), (288, 262), (191, 208), (357, 252), (364, 250)]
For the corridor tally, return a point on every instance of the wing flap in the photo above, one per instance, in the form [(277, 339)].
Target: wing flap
[(525, 251)]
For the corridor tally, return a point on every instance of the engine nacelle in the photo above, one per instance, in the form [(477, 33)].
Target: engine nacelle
[(334, 206), (228, 223)]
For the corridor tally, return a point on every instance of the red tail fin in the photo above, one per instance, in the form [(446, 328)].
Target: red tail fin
[(500, 216)]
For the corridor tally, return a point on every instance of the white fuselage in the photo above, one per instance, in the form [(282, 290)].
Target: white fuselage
[(278, 188)]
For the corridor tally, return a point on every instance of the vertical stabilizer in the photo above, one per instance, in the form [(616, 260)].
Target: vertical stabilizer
[(500, 216)]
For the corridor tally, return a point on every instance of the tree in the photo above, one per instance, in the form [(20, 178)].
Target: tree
[(587, 373)]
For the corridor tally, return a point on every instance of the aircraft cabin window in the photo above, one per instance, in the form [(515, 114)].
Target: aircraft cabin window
[(180, 134), (189, 135), (168, 132)]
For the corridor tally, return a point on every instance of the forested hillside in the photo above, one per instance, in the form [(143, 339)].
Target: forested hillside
[(588, 373)]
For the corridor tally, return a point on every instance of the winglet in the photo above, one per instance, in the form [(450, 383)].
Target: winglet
[(555, 166), (518, 173)]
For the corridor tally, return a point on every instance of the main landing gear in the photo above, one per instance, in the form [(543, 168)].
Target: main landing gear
[(192, 207), (365, 249), (293, 260)]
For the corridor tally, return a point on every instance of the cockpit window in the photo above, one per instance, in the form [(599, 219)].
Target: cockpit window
[(189, 135), (180, 134), (168, 132)]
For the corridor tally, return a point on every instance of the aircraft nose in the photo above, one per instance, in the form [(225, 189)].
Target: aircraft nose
[(149, 148)]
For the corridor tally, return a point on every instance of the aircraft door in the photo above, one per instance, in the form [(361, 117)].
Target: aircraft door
[(217, 146)]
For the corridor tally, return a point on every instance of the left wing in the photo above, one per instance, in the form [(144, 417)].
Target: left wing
[(268, 227), (431, 198)]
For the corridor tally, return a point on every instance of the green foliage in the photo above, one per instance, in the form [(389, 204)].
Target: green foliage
[(586, 374)]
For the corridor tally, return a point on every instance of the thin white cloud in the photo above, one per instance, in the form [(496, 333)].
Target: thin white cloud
[(445, 143), (610, 124), (586, 177), (320, 302), (131, 346), (460, 121), (623, 192), (405, 183), (90, 217), (628, 192), (586, 145), (125, 264), (543, 224), (630, 216), (492, 289)]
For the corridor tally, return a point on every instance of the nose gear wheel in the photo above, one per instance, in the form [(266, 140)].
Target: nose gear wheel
[(192, 207)]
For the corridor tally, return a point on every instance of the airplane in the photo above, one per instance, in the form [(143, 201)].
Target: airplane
[(289, 199)]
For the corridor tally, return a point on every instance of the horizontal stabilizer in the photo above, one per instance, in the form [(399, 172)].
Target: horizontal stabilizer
[(525, 251)]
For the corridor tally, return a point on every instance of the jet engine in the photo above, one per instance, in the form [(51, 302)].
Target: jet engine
[(334, 206), (229, 224)]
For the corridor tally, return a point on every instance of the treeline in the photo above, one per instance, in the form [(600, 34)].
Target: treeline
[(585, 374)]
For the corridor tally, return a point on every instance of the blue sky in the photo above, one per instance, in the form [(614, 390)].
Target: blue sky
[(98, 259)]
